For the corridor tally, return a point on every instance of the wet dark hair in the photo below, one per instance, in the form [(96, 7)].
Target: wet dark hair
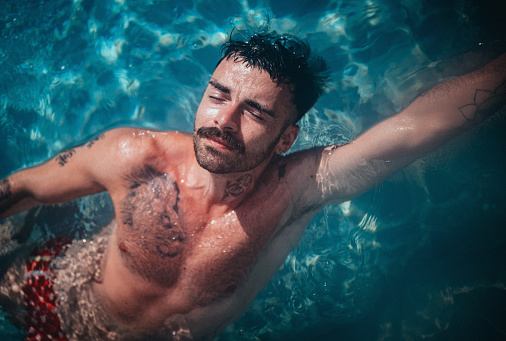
[(287, 59)]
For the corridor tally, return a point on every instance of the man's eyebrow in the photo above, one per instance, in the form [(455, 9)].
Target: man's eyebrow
[(260, 107), (214, 83), (219, 86)]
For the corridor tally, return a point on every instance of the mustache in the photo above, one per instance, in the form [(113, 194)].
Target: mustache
[(227, 137)]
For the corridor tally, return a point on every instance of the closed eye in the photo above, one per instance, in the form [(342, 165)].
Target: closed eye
[(217, 99), (260, 108), (255, 115)]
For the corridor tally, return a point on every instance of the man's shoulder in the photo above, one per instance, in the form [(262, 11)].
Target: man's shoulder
[(147, 140), (134, 146), (300, 162), (296, 171), (144, 134), (301, 175)]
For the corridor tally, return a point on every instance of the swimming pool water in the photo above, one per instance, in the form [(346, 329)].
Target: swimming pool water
[(422, 256)]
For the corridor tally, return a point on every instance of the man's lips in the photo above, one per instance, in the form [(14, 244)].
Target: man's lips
[(216, 141), (219, 139)]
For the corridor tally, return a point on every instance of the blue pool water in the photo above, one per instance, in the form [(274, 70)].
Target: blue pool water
[(421, 257)]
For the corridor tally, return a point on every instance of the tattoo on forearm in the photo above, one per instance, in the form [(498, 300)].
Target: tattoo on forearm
[(5, 189), (235, 188), (95, 139), (483, 101), (63, 158)]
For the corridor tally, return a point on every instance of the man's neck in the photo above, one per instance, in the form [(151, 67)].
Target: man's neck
[(226, 189)]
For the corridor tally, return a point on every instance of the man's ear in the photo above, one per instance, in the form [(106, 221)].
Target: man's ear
[(287, 138)]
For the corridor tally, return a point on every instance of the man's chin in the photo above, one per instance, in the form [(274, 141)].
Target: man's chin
[(213, 160), (214, 167)]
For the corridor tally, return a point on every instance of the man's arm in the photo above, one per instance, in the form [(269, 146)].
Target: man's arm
[(428, 122), (66, 176), (74, 173)]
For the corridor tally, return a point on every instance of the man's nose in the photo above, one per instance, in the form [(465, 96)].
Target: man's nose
[(228, 118)]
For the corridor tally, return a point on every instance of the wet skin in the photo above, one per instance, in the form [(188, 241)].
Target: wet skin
[(185, 237)]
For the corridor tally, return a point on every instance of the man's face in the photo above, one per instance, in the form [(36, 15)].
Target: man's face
[(241, 120)]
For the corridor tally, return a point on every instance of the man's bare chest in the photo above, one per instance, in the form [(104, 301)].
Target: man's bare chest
[(164, 238)]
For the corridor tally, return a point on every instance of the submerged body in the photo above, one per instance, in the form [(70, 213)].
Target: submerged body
[(203, 221)]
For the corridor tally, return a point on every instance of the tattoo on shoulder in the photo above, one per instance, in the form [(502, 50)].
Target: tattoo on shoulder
[(235, 188), (5, 189), (91, 142), (483, 100), (63, 158)]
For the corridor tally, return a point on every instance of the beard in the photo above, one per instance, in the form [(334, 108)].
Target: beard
[(236, 160)]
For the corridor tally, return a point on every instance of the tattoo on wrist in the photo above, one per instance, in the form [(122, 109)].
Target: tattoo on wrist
[(63, 158), (95, 139), (5, 189), (483, 101), (235, 188)]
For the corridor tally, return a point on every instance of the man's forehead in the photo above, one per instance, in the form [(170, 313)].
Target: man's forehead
[(239, 66), (232, 73)]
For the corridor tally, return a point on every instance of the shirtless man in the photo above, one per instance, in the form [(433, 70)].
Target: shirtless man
[(203, 220)]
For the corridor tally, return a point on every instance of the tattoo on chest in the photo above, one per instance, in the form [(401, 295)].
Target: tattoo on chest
[(236, 187), (151, 212), (63, 158), (5, 189)]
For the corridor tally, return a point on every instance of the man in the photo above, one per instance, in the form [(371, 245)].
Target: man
[(203, 221)]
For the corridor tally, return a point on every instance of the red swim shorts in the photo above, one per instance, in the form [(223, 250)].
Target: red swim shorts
[(42, 320)]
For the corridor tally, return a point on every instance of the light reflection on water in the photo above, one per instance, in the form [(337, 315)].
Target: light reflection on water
[(70, 69)]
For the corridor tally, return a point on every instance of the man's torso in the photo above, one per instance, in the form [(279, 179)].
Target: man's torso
[(169, 255)]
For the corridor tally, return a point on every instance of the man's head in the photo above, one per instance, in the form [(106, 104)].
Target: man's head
[(287, 59), (258, 91)]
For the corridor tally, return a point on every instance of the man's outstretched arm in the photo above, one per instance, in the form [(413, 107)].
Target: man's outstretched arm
[(428, 122), (90, 168), (64, 177)]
